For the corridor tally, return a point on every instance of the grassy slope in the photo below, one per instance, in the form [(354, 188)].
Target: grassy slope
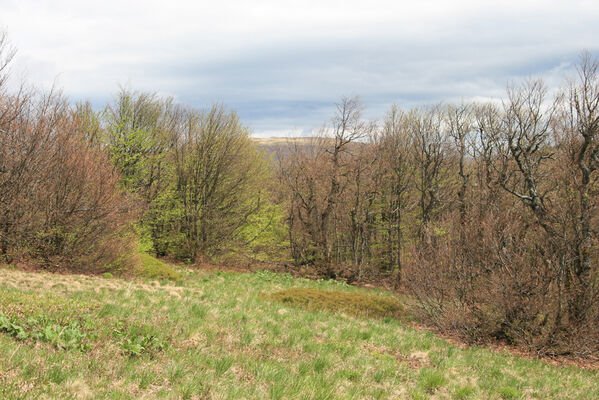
[(225, 340)]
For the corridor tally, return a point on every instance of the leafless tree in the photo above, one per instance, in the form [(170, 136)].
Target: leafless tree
[(459, 123), (430, 146), (394, 145)]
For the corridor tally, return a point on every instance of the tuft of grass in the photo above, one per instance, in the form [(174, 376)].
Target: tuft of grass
[(152, 268), (431, 379), (509, 393), (464, 392), (222, 365), (352, 303)]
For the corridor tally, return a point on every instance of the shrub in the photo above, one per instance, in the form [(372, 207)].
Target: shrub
[(59, 196), (496, 277)]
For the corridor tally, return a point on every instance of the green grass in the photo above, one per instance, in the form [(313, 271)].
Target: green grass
[(221, 335)]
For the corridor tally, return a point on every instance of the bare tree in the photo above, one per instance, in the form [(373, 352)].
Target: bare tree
[(394, 146), (316, 174), (430, 147), (582, 130), (347, 127), (7, 53), (527, 133), (459, 122), (485, 147)]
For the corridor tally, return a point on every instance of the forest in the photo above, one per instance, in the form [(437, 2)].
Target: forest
[(485, 214)]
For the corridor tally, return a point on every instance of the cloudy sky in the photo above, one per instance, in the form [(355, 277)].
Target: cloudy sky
[(282, 64)]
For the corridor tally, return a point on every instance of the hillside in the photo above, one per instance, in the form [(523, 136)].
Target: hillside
[(275, 145), (217, 335)]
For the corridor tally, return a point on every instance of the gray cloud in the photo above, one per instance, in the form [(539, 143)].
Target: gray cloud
[(283, 64)]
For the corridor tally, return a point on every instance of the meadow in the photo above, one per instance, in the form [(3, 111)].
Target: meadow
[(228, 335)]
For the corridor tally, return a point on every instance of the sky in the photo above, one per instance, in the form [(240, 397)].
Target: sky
[(283, 64)]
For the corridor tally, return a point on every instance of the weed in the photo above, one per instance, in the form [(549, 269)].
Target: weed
[(65, 337), (138, 340), (12, 328)]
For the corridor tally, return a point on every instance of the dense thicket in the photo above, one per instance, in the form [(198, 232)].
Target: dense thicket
[(200, 178), (87, 189), (59, 202), (487, 213)]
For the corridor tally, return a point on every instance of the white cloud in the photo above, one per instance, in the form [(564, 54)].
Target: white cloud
[(264, 56)]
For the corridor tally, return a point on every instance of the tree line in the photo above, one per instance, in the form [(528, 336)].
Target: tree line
[(86, 189), (485, 212)]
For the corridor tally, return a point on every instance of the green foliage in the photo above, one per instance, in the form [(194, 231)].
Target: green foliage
[(68, 336), (127, 153), (138, 345), (158, 229), (219, 175), (358, 304), (139, 340), (46, 318), (138, 139), (265, 233), (64, 337), (144, 238), (201, 181), (12, 328)]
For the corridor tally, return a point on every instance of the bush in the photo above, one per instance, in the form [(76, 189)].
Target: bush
[(498, 278), (59, 196)]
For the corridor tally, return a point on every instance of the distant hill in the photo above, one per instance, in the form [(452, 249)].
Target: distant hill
[(280, 144), (281, 140)]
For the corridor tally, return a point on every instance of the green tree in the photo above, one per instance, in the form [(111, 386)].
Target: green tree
[(218, 180), (139, 134)]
